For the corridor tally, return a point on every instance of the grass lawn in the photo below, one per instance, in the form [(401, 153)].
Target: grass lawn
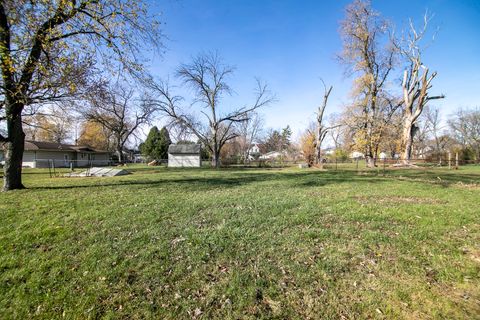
[(229, 244)]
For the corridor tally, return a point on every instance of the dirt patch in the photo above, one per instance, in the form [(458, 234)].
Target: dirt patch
[(473, 254), (468, 186), (392, 200)]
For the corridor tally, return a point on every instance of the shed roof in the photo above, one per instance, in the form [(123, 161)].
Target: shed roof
[(184, 149)]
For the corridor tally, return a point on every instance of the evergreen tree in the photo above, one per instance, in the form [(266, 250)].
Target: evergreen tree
[(286, 138), (148, 147), (163, 143), (156, 144)]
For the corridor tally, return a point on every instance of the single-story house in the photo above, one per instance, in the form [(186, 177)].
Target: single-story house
[(139, 158), (329, 151), (39, 154), (357, 155), (184, 155), (272, 155)]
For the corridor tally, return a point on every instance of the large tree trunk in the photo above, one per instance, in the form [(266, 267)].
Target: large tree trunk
[(13, 149), (120, 154), (216, 159), (318, 147), (407, 138), (246, 157), (370, 160), (439, 154), (318, 157)]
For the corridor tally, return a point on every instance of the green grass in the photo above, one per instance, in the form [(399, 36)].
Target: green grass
[(229, 244)]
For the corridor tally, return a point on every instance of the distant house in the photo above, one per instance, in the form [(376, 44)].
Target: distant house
[(254, 151), (139, 158), (357, 155), (184, 155), (133, 155), (272, 155), (384, 156), (39, 154), (329, 151)]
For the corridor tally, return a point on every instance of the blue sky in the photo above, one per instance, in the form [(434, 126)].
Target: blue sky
[(291, 44)]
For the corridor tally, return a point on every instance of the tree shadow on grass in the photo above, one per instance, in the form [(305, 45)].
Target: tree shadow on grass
[(208, 179), (232, 179), (442, 178)]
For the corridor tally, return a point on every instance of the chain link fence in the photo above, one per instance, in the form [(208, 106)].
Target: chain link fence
[(358, 164)]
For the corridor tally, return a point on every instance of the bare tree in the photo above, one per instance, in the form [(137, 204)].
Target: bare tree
[(207, 76), (433, 124), (466, 128), (337, 131), (49, 48), (117, 109), (391, 139), (249, 131), (321, 128), (53, 125), (417, 81), (363, 34)]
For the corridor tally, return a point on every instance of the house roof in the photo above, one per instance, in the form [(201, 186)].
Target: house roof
[(184, 149), (54, 146), (273, 152), (41, 145)]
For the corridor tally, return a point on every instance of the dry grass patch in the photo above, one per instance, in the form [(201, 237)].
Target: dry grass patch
[(395, 200)]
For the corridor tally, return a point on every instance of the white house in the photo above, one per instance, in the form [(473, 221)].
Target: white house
[(357, 155), (253, 152), (384, 156), (39, 154), (272, 155), (329, 151), (254, 149), (184, 155)]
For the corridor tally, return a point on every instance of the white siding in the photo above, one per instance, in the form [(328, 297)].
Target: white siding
[(82, 159), (100, 159), (96, 159), (28, 159), (43, 159), (60, 158), (183, 160)]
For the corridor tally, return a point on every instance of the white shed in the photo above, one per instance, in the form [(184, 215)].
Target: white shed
[(184, 155)]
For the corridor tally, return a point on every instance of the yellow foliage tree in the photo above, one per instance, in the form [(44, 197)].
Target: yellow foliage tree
[(307, 145), (94, 135), (369, 55)]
